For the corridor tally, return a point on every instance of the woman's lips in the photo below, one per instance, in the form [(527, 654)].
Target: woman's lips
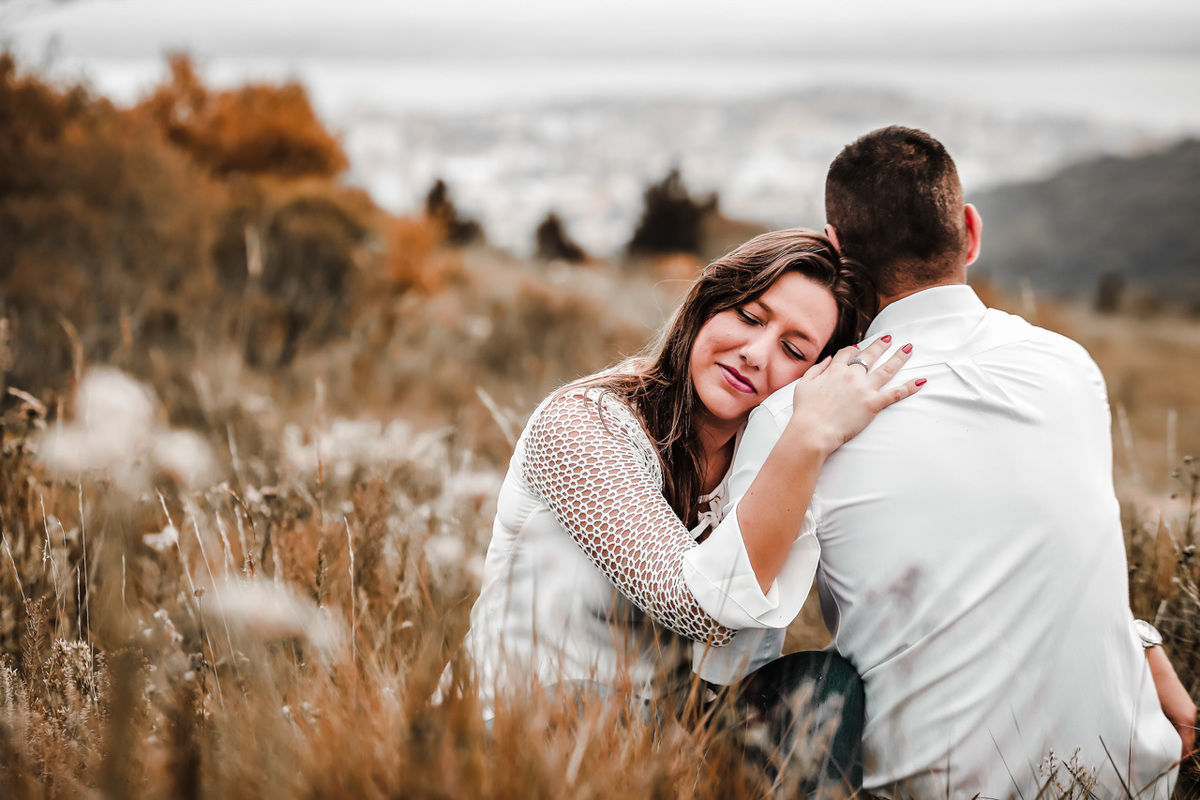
[(737, 380)]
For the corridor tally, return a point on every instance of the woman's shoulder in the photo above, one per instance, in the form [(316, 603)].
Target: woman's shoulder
[(584, 403), (588, 414)]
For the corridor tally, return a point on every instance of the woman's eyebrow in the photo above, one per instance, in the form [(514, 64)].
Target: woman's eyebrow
[(803, 334)]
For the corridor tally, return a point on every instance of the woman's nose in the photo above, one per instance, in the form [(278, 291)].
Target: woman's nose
[(753, 351)]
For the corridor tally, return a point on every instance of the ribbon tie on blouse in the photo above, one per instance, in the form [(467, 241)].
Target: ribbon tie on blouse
[(711, 507)]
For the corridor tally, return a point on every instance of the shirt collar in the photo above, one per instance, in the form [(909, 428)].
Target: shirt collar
[(927, 305)]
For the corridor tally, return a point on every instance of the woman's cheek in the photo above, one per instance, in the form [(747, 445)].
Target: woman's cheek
[(792, 374)]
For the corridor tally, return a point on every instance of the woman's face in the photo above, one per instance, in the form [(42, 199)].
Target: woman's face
[(743, 354)]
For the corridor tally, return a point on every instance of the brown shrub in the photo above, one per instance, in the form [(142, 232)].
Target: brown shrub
[(102, 223), (456, 229), (257, 129), (671, 218), (131, 236), (415, 258), (554, 244)]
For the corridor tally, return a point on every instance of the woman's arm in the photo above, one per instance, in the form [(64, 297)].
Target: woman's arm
[(1173, 697), (832, 403), (591, 462)]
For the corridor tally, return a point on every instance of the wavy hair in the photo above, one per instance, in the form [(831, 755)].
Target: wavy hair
[(658, 383)]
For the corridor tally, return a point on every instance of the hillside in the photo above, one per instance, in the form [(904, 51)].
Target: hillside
[(1131, 217)]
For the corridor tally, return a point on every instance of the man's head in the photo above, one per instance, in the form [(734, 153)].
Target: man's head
[(895, 204)]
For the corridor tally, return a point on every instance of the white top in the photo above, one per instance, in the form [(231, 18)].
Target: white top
[(590, 575), (973, 567)]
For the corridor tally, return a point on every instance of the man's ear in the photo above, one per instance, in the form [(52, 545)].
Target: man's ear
[(831, 235), (974, 232)]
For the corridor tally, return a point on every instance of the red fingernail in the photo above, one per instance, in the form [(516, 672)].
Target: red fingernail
[(855, 347), (887, 338), (920, 381), (907, 348)]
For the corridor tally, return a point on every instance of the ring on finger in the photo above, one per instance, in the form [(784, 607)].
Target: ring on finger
[(857, 360)]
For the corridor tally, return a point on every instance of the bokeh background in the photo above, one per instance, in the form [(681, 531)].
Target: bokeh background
[(280, 283)]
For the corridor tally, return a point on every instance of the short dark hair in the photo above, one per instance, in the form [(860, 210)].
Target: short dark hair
[(896, 202)]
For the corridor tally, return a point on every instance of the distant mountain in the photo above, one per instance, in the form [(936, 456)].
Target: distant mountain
[(1137, 218)]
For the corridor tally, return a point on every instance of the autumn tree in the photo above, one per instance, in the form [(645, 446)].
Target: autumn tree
[(257, 128)]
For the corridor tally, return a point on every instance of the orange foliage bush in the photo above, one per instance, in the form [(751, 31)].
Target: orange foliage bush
[(415, 256), (101, 222), (256, 129), (126, 227)]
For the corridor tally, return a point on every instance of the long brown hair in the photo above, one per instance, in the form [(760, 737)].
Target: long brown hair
[(658, 384)]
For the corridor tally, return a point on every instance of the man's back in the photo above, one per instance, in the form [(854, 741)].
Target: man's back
[(973, 567)]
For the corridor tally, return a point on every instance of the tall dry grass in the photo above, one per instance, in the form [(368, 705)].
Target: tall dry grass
[(280, 630)]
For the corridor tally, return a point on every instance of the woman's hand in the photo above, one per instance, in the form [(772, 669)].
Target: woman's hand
[(833, 401), (839, 396)]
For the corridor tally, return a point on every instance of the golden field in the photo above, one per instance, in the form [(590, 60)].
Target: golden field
[(253, 427)]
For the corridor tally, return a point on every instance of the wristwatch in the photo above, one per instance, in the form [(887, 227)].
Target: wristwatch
[(1147, 633)]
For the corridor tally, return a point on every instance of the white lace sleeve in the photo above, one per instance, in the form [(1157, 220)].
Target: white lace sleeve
[(587, 456)]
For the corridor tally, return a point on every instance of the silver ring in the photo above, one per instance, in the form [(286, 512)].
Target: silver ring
[(857, 360)]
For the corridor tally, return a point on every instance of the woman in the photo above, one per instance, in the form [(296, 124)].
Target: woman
[(601, 558)]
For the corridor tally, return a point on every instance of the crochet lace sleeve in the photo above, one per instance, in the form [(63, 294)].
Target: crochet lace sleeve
[(588, 457)]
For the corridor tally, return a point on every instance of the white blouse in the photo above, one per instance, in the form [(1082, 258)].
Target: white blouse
[(590, 575)]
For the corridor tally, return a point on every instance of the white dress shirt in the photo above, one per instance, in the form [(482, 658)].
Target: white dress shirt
[(972, 565)]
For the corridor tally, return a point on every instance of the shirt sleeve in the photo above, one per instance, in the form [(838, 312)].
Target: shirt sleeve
[(583, 457), (718, 572), (750, 649)]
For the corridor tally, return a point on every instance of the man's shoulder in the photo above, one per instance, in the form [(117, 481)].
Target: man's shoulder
[(1047, 350), (1020, 329)]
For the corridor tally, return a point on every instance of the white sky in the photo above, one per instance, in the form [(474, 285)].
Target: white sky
[(463, 28)]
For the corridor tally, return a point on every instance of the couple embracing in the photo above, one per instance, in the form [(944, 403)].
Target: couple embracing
[(844, 409)]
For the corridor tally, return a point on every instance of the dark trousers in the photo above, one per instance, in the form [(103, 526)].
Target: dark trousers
[(803, 724), (798, 721)]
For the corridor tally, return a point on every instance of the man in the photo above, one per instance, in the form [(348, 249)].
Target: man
[(972, 563)]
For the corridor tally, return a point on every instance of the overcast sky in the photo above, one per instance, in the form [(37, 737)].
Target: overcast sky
[(465, 28)]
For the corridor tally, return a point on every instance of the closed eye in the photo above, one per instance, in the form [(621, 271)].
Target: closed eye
[(748, 318), (794, 352)]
